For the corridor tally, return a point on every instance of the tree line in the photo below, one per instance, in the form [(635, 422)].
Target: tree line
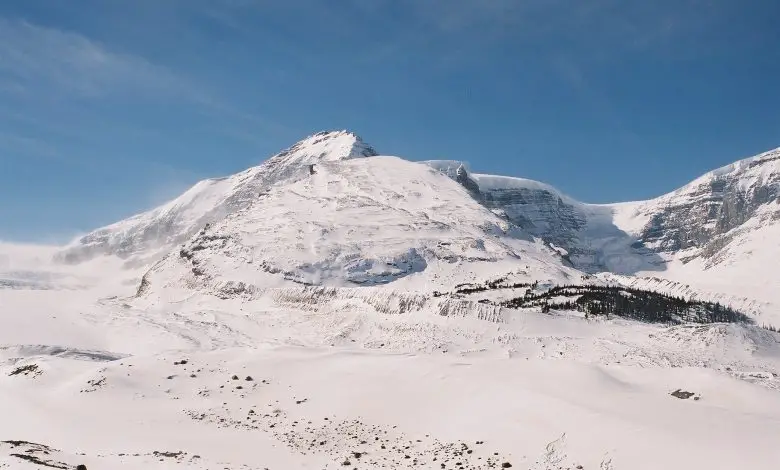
[(636, 304)]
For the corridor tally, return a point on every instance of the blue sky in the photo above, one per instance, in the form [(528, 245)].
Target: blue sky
[(108, 107)]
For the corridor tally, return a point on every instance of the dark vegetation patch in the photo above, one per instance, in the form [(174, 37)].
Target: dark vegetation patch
[(493, 284), (636, 304), (771, 328), (625, 302), (166, 454)]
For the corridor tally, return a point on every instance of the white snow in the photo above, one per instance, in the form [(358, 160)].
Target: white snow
[(488, 182), (367, 365), (517, 380)]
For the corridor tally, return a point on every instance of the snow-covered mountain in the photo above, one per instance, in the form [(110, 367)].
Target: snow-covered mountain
[(700, 219), (363, 222), (321, 213), (332, 308), (696, 221)]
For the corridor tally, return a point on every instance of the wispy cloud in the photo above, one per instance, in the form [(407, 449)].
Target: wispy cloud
[(594, 28), (41, 67), (11, 143), (37, 58)]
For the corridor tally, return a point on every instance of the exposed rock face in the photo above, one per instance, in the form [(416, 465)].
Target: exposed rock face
[(703, 214), (462, 177), (541, 212), (538, 209)]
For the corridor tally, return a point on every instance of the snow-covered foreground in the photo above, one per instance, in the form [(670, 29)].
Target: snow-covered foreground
[(376, 379), (315, 408)]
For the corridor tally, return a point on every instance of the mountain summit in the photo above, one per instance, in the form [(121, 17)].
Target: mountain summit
[(326, 146)]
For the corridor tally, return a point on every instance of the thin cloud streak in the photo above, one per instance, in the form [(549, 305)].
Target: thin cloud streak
[(73, 64), (43, 68)]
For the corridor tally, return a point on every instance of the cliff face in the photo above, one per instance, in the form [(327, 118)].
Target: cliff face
[(584, 235), (703, 217), (539, 211)]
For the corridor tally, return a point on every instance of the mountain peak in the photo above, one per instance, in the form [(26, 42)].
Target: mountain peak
[(327, 146)]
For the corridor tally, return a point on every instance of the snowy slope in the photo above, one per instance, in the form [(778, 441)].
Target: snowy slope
[(586, 233), (146, 237)]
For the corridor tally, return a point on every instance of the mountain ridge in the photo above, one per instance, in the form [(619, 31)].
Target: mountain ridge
[(680, 235)]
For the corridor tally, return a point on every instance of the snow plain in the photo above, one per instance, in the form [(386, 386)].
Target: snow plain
[(340, 372)]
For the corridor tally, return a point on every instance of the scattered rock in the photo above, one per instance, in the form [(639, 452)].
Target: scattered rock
[(683, 395), (29, 369)]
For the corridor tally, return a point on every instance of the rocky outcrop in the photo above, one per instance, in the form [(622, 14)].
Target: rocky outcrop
[(462, 177), (541, 212), (703, 215)]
